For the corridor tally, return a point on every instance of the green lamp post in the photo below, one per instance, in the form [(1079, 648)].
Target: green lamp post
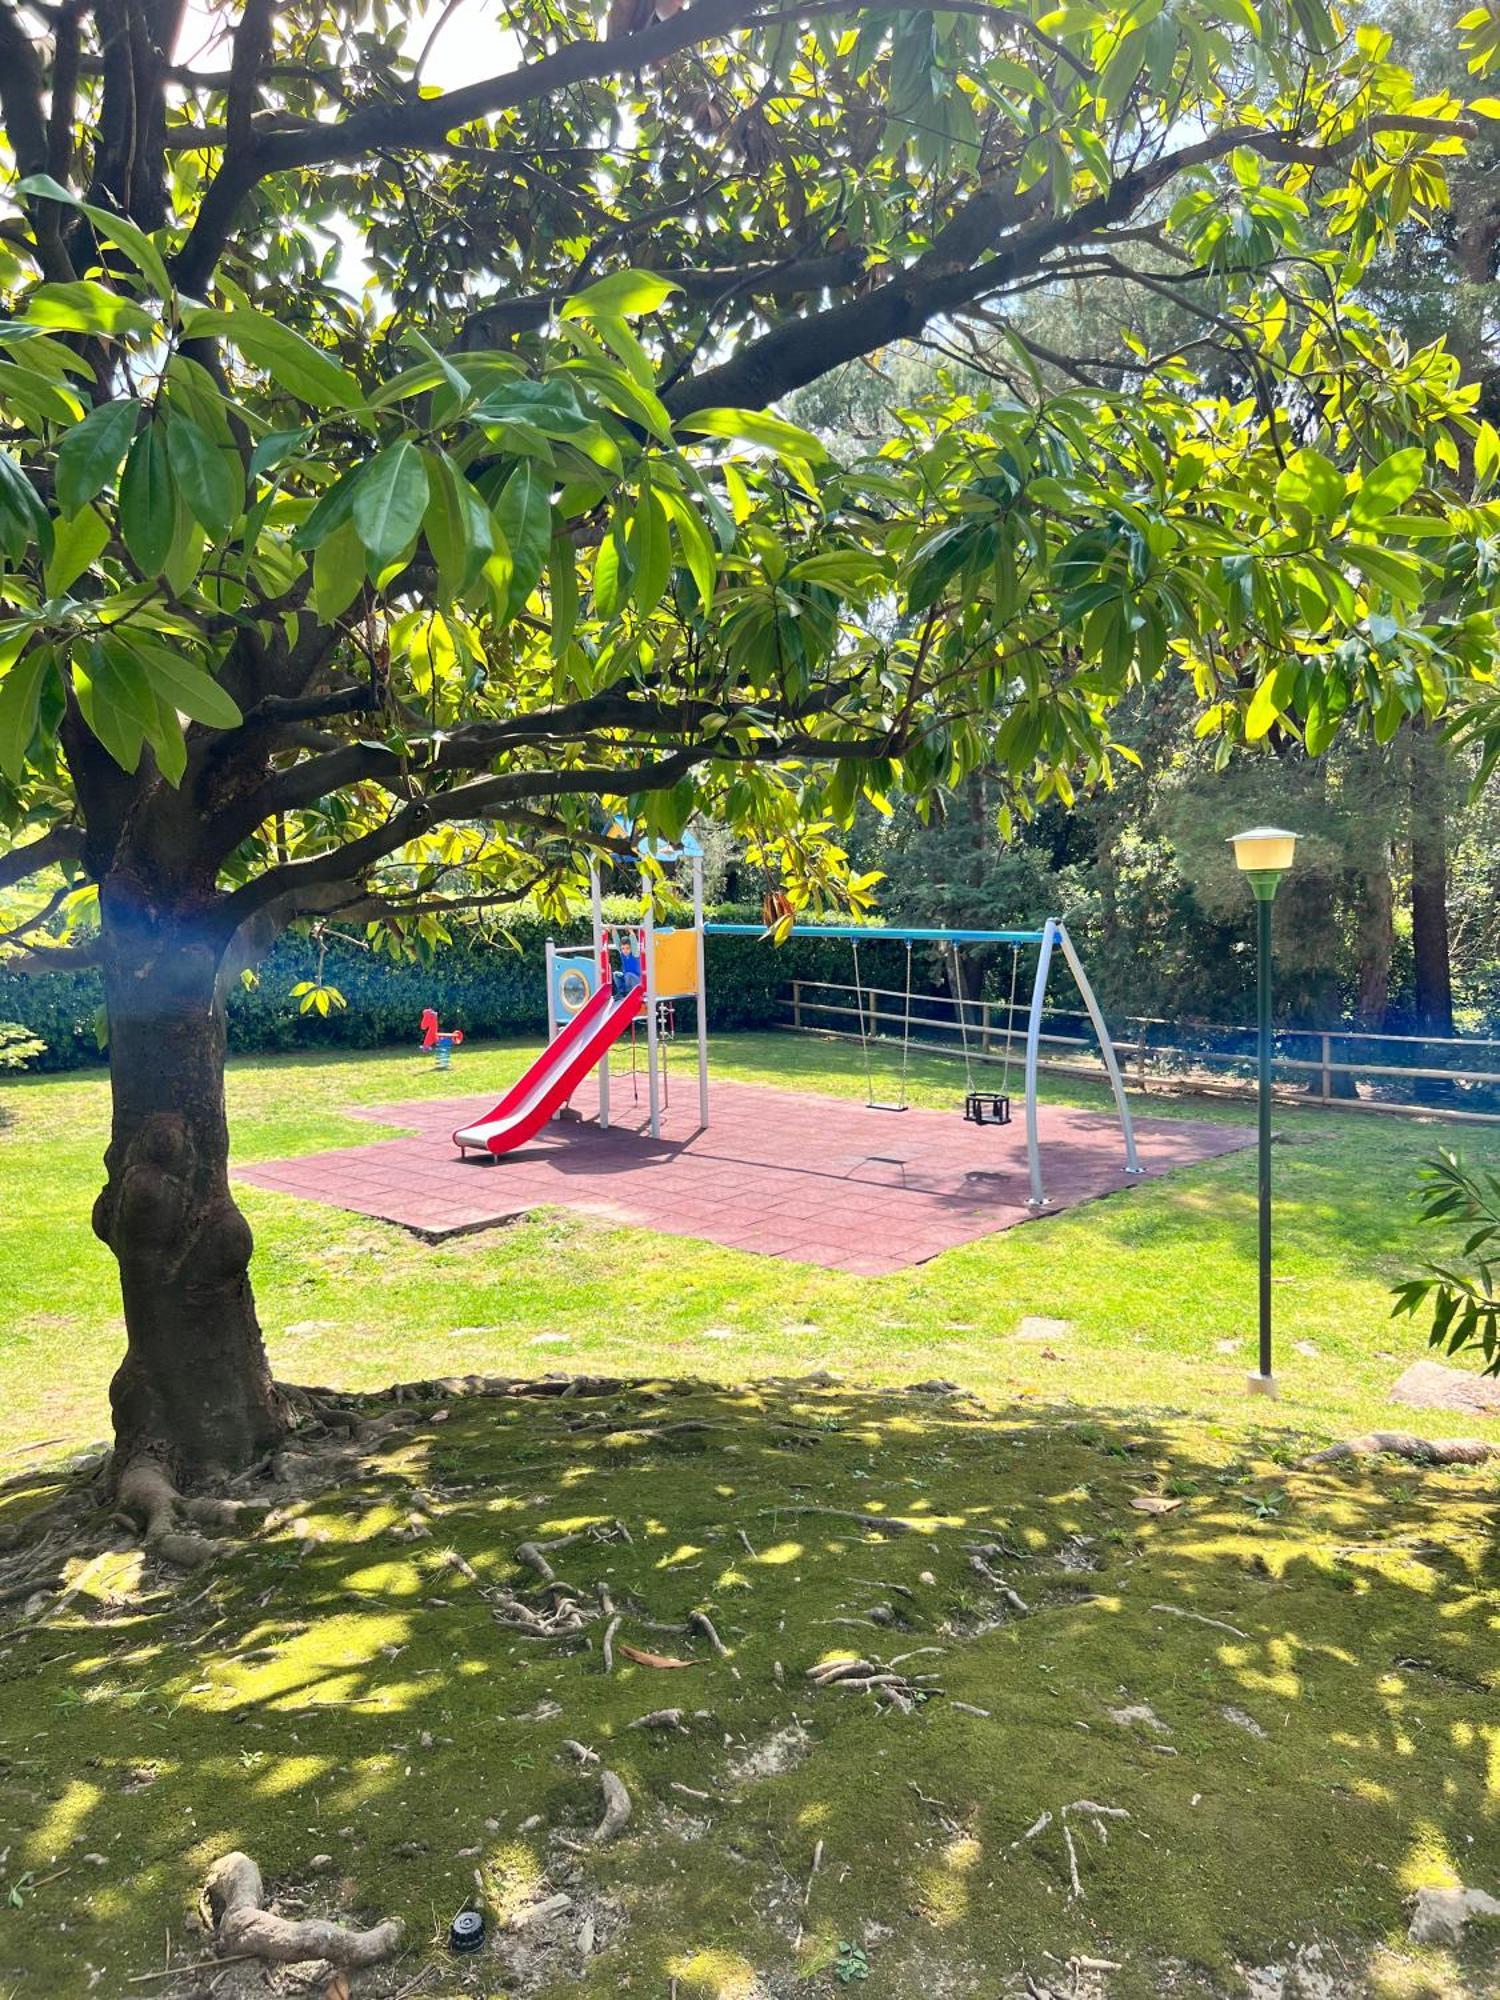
[(1263, 855)]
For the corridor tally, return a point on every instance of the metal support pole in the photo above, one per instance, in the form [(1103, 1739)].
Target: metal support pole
[(1106, 1049), (1263, 1092), (1033, 1049), (702, 992), (601, 956), (551, 989), (653, 1039)]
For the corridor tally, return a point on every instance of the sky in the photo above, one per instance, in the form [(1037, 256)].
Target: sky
[(471, 45)]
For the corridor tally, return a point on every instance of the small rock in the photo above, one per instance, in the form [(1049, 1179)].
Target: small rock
[(1441, 1914), (424, 1741), (1142, 1712), (530, 1825), (1428, 1385), (1241, 1719), (1306, 1348), (320, 1863), (540, 1913), (937, 1387), (1227, 1346), (1035, 1327)]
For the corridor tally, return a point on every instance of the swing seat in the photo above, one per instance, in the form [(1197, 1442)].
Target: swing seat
[(987, 1107)]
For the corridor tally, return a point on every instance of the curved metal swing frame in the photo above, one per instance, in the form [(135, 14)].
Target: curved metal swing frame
[(1054, 933), (1052, 937)]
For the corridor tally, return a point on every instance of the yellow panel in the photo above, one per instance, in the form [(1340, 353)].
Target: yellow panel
[(676, 967)]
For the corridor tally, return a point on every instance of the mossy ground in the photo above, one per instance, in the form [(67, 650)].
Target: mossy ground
[(339, 1689), (284, 1702)]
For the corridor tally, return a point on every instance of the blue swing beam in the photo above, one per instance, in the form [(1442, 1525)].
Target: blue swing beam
[(1051, 937)]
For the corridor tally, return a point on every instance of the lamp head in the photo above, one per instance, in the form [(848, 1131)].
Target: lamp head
[(1264, 854)]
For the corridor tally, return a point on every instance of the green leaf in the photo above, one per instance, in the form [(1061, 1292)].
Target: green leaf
[(111, 703), (461, 386), (621, 292), (562, 587), (697, 544), (338, 572), (24, 521), (772, 434), (1389, 486), (89, 455), (20, 697), (650, 545), (303, 370), (273, 448), (1269, 701), (209, 478), (168, 744), (1312, 481), (390, 502), (125, 236), (1400, 574), (524, 515), (148, 503), (78, 541), (333, 510), (174, 678), (86, 307)]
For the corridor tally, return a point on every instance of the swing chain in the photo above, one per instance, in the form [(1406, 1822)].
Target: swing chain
[(866, 1030)]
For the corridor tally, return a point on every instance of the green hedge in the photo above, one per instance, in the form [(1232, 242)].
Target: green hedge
[(488, 990)]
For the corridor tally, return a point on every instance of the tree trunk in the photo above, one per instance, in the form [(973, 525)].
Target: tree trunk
[(194, 1392), (1429, 885), (1376, 943)]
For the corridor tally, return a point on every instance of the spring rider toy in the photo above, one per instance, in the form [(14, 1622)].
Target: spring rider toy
[(442, 1041)]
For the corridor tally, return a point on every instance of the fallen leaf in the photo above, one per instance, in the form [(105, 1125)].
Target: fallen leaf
[(337, 1988), (1152, 1503), (651, 1659)]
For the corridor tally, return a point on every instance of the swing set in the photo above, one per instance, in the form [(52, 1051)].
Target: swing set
[(981, 1107)]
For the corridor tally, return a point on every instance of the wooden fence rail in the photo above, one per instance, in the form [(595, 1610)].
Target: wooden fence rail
[(1176, 1057)]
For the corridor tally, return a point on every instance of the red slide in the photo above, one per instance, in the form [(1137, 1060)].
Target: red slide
[(555, 1075)]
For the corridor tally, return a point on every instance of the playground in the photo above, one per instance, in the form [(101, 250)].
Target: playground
[(868, 1191)]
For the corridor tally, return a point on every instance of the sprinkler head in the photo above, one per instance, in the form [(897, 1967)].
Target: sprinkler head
[(466, 1932)]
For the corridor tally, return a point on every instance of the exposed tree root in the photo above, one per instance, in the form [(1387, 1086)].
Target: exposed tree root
[(146, 1498), (617, 1809), (1098, 1817), (244, 1926), (890, 1687), (1201, 1618), (1402, 1444), (699, 1621), (674, 1719)]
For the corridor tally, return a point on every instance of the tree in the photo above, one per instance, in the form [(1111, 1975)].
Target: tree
[(386, 604)]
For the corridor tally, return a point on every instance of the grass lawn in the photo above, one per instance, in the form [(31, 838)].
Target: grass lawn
[(336, 1688)]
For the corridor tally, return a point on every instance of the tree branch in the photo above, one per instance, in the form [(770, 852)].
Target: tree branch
[(57, 844), (485, 798), (802, 350), (22, 93)]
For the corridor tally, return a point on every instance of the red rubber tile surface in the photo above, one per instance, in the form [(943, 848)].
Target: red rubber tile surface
[(819, 1180)]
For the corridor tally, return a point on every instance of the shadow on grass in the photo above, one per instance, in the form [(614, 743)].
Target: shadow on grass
[(1284, 1684)]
